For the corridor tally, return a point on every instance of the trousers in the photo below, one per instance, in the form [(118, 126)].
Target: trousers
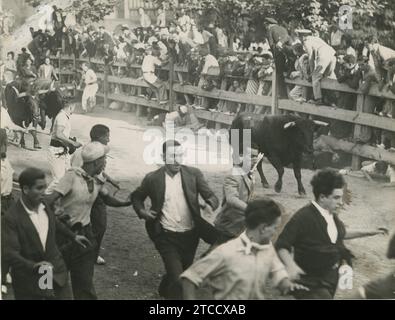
[(177, 250)]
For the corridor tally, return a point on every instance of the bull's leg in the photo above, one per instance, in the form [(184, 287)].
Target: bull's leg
[(280, 170), (264, 182), (43, 119), (298, 177), (35, 140), (22, 142)]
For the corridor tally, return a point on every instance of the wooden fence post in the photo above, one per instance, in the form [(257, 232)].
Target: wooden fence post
[(106, 86), (355, 163), (274, 92), (171, 84)]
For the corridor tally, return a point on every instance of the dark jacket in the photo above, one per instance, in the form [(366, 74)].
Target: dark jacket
[(193, 184), (306, 233), (23, 249)]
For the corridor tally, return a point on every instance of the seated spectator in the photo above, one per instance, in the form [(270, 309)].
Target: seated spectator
[(47, 71), (336, 36), (251, 73), (184, 20), (161, 18), (10, 70), (231, 107), (28, 71), (210, 68), (151, 61), (120, 49)]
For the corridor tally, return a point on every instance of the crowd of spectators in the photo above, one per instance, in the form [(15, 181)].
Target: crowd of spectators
[(238, 64)]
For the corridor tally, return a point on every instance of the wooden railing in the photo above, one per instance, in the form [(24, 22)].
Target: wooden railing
[(359, 117)]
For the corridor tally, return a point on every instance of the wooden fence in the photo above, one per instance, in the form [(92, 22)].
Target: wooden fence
[(360, 117)]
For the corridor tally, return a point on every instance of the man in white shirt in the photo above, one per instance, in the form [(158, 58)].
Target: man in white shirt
[(322, 61), (184, 20), (145, 20), (150, 62), (90, 90), (161, 19), (60, 146), (209, 63), (174, 222)]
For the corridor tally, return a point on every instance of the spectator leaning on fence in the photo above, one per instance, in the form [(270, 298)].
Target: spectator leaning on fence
[(322, 62)]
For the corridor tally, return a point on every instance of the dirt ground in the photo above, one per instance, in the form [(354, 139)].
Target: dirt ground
[(134, 268)]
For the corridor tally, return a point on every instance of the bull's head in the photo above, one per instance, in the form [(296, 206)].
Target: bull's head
[(303, 133)]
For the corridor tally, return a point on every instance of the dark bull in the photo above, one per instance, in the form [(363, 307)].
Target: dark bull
[(282, 139)]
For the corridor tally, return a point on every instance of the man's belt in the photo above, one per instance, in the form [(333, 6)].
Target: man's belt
[(67, 148)]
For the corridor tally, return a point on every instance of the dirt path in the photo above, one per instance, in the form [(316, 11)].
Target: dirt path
[(134, 268)]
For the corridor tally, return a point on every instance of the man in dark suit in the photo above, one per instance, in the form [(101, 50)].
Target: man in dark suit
[(29, 231), (315, 234), (174, 223), (279, 42)]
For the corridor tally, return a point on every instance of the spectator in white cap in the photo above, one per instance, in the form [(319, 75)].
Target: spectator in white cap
[(76, 193)]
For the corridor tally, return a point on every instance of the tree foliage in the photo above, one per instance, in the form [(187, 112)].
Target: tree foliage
[(86, 10)]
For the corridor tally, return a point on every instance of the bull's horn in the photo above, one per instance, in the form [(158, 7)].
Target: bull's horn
[(321, 123), (23, 94), (289, 124), (16, 91)]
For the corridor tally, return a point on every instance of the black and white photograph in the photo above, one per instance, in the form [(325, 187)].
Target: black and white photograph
[(197, 150)]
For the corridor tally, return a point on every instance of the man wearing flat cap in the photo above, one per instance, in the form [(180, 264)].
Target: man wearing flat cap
[(76, 193)]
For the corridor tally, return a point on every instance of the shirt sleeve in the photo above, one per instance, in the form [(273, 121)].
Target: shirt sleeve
[(278, 272), (290, 233), (210, 265), (61, 120), (65, 184)]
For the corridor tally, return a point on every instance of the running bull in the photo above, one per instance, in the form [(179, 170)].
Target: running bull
[(29, 104), (282, 139)]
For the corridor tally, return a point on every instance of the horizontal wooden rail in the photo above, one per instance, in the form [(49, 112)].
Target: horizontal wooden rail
[(333, 85), (355, 117)]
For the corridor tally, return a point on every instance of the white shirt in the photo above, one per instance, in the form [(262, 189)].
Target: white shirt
[(148, 68), (39, 219), (62, 120), (161, 20), (176, 214), (90, 77), (331, 225), (210, 61), (317, 46), (184, 20), (351, 51), (145, 20), (6, 177), (385, 53)]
